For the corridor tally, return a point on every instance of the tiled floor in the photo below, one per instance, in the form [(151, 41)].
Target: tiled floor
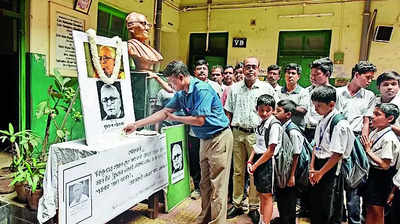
[(184, 213)]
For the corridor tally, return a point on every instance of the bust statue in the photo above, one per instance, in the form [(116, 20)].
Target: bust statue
[(143, 54)]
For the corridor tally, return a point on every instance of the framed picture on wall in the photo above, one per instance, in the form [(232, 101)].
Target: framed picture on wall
[(82, 6)]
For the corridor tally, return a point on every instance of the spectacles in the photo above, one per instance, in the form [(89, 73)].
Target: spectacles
[(105, 58), (110, 99), (248, 67), (143, 23)]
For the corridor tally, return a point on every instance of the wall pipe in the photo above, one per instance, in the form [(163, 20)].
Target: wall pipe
[(246, 5), (364, 33), (157, 27)]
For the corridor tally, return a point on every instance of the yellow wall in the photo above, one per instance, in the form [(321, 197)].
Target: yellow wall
[(262, 39)]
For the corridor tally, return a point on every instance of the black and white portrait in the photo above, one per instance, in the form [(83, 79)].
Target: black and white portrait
[(78, 193), (177, 162), (110, 100)]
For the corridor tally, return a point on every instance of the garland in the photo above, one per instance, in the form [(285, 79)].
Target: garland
[(96, 60)]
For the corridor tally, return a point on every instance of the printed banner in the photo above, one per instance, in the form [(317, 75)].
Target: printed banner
[(98, 188)]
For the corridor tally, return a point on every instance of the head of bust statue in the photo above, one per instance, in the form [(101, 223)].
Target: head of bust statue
[(138, 26)]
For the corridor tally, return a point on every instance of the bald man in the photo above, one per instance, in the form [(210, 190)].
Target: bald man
[(143, 54), (111, 102)]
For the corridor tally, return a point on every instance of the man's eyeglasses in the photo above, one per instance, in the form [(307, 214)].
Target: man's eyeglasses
[(248, 67), (105, 58), (110, 99), (144, 23)]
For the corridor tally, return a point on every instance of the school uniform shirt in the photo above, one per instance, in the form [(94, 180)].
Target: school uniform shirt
[(242, 101), (385, 146), (342, 138), (277, 88), (312, 117), (300, 96), (356, 107), (396, 101), (217, 87), (396, 179), (275, 136), (296, 138)]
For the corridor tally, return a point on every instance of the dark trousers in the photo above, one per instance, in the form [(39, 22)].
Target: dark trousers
[(353, 204), (286, 200), (194, 160), (326, 197)]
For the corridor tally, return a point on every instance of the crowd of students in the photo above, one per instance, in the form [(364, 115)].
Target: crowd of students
[(267, 119)]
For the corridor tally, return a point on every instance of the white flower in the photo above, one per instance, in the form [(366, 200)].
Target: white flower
[(96, 60)]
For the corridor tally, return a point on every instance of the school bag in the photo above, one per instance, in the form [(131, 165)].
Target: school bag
[(356, 166), (301, 175), (283, 159)]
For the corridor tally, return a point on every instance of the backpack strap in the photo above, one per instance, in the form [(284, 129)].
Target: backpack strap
[(267, 131), (335, 120)]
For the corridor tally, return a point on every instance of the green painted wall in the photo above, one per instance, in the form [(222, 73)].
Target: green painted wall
[(39, 83)]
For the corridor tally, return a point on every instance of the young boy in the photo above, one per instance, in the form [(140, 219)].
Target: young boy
[(326, 194), (388, 84), (286, 197), (382, 148), (260, 163)]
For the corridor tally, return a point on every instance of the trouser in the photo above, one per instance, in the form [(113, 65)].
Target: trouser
[(242, 147), (309, 132), (353, 204), (326, 197), (286, 200), (194, 160), (215, 157)]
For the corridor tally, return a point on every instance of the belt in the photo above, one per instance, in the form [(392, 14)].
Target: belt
[(216, 133), (247, 130)]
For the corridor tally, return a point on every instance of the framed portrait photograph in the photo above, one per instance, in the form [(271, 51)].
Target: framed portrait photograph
[(107, 105), (82, 6), (79, 199)]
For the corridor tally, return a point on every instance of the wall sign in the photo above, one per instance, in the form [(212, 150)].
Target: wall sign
[(65, 50), (239, 42)]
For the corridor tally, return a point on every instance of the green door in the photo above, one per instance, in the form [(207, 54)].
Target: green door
[(302, 47), (217, 49), (12, 62)]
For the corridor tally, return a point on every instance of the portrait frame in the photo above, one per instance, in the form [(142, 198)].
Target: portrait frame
[(101, 131), (83, 6)]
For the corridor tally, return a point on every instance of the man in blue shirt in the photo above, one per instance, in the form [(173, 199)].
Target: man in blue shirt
[(204, 112)]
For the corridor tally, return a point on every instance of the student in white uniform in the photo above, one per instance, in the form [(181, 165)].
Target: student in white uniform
[(286, 197), (382, 148), (326, 194), (261, 160)]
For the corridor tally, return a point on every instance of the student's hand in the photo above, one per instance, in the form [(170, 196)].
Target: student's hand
[(367, 143), (249, 168), (390, 199), (291, 181), (129, 128), (316, 176)]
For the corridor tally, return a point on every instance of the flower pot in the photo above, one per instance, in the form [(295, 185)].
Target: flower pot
[(5, 180), (33, 197), (21, 192)]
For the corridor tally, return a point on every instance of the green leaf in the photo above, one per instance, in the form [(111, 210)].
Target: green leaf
[(60, 133), (4, 132), (41, 109), (65, 81), (10, 128), (12, 139)]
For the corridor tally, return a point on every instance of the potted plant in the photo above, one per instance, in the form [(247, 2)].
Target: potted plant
[(20, 145), (31, 169)]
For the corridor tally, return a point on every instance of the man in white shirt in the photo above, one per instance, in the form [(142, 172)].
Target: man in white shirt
[(241, 110), (357, 105), (273, 76)]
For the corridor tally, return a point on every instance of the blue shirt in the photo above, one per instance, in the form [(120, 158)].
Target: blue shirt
[(201, 100)]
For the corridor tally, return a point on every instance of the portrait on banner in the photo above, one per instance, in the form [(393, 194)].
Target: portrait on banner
[(177, 172), (79, 199)]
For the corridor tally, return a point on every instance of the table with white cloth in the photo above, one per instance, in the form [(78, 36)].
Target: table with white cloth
[(67, 152)]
